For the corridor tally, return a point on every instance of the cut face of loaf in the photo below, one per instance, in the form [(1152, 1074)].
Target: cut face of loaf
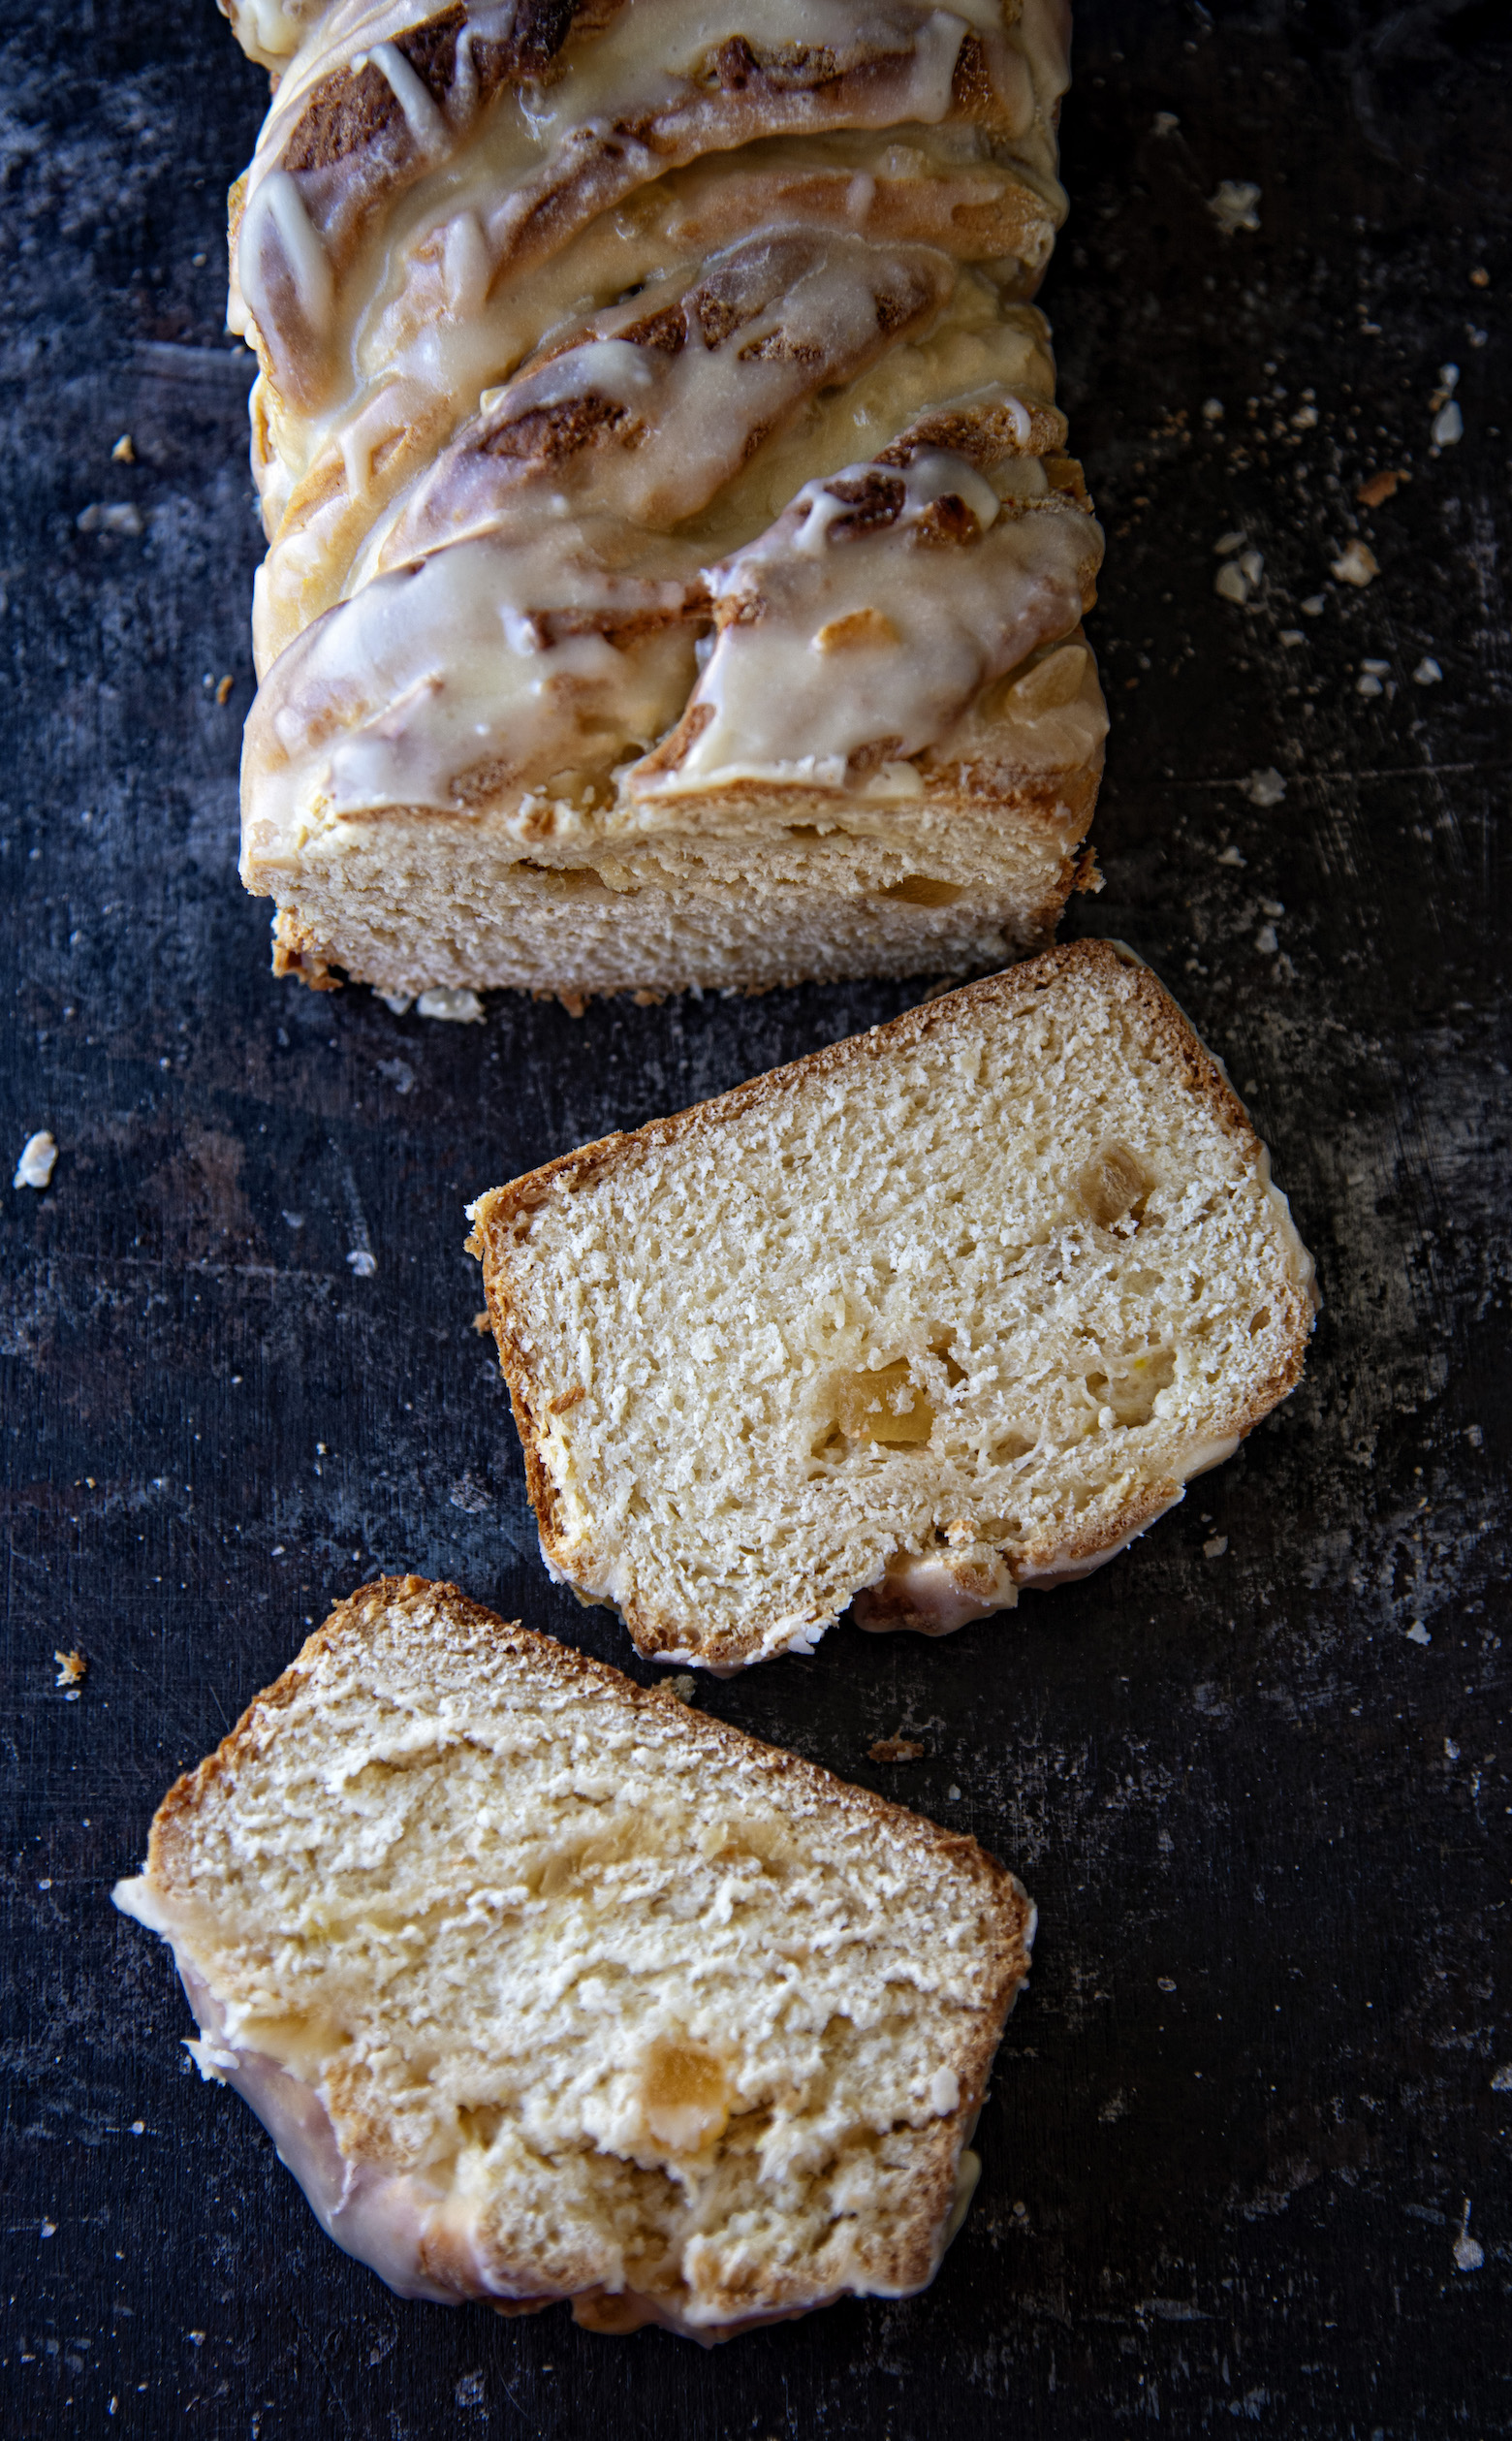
[(547, 1986), (675, 571), (964, 865), (956, 1305)]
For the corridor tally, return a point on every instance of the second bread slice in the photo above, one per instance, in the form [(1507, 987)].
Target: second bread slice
[(549, 1986), (956, 1305)]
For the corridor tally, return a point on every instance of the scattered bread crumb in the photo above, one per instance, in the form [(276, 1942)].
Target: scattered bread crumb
[(1238, 579), (110, 517), (1468, 2252), (1233, 206), (683, 1688), (457, 1008), (896, 1749), (223, 691), (71, 1669), (1357, 564), (1378, 487), (35, 1167), (481, 1324), (1217, 1543), (1480, 278), (1264, 788), (124, 453)]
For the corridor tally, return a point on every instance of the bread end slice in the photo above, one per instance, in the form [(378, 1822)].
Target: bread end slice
[(954, 1306), (549, 1986), (749, 886)]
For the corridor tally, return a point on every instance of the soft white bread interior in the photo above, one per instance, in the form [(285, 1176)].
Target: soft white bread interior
[(673, 572), (732, 890), (549, 1986), (952, 1307)]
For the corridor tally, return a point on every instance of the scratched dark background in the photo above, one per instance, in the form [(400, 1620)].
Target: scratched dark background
[(1256, 1772)]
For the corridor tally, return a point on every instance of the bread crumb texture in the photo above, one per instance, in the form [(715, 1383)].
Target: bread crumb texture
[(552, 1987), (956, 1305)]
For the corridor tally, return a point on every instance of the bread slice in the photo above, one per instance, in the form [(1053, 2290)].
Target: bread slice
[(547, 1986), (955, 1305)]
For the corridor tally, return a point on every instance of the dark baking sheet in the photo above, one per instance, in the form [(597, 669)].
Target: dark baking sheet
[(1240, 2117)]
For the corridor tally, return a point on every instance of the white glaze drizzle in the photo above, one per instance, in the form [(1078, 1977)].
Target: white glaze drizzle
[(833, 643), (408, 700), (423, 120), (276, 217), (685, 419), (432, 672)]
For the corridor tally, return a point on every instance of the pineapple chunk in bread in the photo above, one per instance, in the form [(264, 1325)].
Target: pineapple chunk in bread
[(954, 1306), (547, 1986)]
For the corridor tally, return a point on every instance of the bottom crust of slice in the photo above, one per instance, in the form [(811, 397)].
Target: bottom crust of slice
[(422, 2244)]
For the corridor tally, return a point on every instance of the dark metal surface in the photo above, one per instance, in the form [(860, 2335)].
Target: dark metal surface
[(1239, 2119)]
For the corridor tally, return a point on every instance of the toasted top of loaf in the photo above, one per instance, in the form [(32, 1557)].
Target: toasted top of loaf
[(973, 1293), (649, 409), (591, 1992)]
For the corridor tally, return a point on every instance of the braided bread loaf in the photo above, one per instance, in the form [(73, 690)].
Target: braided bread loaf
[(675, 575)]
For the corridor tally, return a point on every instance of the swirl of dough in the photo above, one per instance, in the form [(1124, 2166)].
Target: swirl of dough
[(650, 411)]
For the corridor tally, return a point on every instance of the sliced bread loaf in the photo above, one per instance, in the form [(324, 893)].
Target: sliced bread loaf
[(547, 1986), (955, 1305), (675, 570)]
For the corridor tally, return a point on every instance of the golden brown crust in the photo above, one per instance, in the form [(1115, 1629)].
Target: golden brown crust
[(296, 952), (503, 1216), (984, 436)]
